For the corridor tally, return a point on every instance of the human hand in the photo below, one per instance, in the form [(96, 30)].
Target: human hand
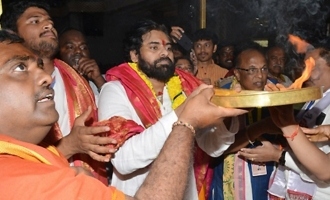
[(193, 59), (264, 153), (81, 170), (176, 33), (200, 112), (281, 115), (318, 134), (83, 139), (91, 70)]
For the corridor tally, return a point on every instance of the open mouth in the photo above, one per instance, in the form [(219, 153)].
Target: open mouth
[(48, 97)]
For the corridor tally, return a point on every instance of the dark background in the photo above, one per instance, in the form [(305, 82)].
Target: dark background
[(105, 21)]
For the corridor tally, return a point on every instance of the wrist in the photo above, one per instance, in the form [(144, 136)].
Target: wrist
[(66, 150), (99, 81), (290, 131), (186, 125)]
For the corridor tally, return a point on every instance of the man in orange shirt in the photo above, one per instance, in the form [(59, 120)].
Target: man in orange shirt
[(205, 45), (31, 21), (30, 169)]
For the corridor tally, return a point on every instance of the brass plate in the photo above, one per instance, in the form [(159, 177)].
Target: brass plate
[(248, 98)]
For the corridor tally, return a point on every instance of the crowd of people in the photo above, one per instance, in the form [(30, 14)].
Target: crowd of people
[(151, 118)]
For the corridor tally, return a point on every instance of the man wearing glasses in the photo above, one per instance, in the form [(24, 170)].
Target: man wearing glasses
[(251, 70), (236, 177)]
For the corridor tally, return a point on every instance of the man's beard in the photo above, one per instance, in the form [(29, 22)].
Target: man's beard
[(160, 72), (43, 49)]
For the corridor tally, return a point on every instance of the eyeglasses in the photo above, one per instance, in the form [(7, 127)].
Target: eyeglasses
[(254, 71)]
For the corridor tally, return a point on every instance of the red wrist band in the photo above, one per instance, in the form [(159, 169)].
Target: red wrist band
[(293, 135)]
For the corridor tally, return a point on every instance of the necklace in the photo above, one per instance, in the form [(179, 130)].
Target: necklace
[(174, 87)]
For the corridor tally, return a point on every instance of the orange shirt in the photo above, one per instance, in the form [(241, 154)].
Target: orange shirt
[(25, 177), (211, 71)]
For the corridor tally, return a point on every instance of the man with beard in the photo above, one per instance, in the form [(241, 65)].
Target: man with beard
[(30, 169), (150, 91), (205, 45), (30, 20), (276, 59)]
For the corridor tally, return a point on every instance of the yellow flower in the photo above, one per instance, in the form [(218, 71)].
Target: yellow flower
[(174, 87)]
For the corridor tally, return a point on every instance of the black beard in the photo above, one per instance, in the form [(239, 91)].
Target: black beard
[(160, 72), (43, 49)]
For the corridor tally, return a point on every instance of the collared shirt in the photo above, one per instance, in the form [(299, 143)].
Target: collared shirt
[(132, 161), (211, 71)]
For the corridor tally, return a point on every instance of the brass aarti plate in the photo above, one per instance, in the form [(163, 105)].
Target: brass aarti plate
[(248, 98)]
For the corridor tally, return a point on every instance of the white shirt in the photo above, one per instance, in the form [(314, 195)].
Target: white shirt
[(61, 103), (322, 188), (131, 162)]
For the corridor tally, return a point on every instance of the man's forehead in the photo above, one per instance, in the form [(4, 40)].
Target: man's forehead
[(202, 41), (156, 36), (276, 51), (34, 12), (9, 50)]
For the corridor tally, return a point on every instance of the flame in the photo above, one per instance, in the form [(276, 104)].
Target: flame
[(309, 65), (301, 45)]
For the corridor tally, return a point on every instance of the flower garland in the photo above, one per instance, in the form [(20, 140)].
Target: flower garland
[(174, 86)]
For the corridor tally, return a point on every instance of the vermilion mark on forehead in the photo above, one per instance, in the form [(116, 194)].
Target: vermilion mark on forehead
[(163, 42)]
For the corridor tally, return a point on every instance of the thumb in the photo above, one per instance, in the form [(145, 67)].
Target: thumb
[(231, 112), (309, 130), (80, 121)]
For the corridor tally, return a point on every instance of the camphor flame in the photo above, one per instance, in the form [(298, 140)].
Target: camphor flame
[(309, 65), (302, 47)]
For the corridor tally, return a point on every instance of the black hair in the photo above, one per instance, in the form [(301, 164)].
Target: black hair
[(15, 9), (10, 37), (325, 54), (271, 48), (67, 29), (133, 40), (184, 57), (205, 34)]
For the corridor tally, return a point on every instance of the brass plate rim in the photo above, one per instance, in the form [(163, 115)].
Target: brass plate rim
[(248, 98)]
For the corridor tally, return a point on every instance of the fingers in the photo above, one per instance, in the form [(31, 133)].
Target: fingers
[(87, 66), (100, 157), (271, 87), (310, 131), (200, 88), (281, 87), (248, 154), (177, 28), (176, 32), (206, 90), (100, 148), (237, 87)]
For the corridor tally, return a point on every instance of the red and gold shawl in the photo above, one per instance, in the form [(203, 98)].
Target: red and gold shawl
[(79, 96), (148, 109)]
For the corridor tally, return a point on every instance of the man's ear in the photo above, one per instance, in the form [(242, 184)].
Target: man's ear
[(237, 75), (215, 48), (134, 56)]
